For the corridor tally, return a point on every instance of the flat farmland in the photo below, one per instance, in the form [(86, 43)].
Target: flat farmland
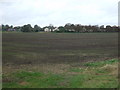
[(55, 52), (37, 48)]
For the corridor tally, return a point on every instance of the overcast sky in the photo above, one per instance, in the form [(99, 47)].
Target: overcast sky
[(59, 12)]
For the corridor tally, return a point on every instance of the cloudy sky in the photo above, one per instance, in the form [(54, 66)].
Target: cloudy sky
[(59, 12)]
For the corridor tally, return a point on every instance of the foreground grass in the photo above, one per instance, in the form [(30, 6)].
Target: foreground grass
[(102, 74)]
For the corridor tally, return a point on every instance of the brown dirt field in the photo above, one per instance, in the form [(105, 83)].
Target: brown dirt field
[(72, 49)]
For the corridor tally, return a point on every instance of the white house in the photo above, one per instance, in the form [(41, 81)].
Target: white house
[(50, 30), (47, 30), (56, 29)]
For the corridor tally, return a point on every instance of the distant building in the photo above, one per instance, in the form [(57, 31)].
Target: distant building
[(47, 30), (50, 30), (55, 29)]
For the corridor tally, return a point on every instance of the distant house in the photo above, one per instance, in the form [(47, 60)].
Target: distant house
[(50, 30), (47, 30), (55, 29)]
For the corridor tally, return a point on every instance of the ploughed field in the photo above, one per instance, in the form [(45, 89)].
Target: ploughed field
[(38, 48), (60, 60)]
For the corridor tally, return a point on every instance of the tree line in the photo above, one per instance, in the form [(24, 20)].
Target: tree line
[(66, 28)]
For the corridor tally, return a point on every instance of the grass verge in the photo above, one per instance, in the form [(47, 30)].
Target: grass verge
[(102, 74)]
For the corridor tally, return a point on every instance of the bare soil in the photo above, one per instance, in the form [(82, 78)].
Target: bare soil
[(37, 49)]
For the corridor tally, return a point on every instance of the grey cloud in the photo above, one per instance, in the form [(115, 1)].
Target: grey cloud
[(59, 12)]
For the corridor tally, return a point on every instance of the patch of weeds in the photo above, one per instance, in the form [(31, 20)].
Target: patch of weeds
[(101, 63), (87, 80), (76, 70), (33, 80), (24, 74), (100, 71), (10, 85), (46, 81), (77, 81), (106, 81)]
